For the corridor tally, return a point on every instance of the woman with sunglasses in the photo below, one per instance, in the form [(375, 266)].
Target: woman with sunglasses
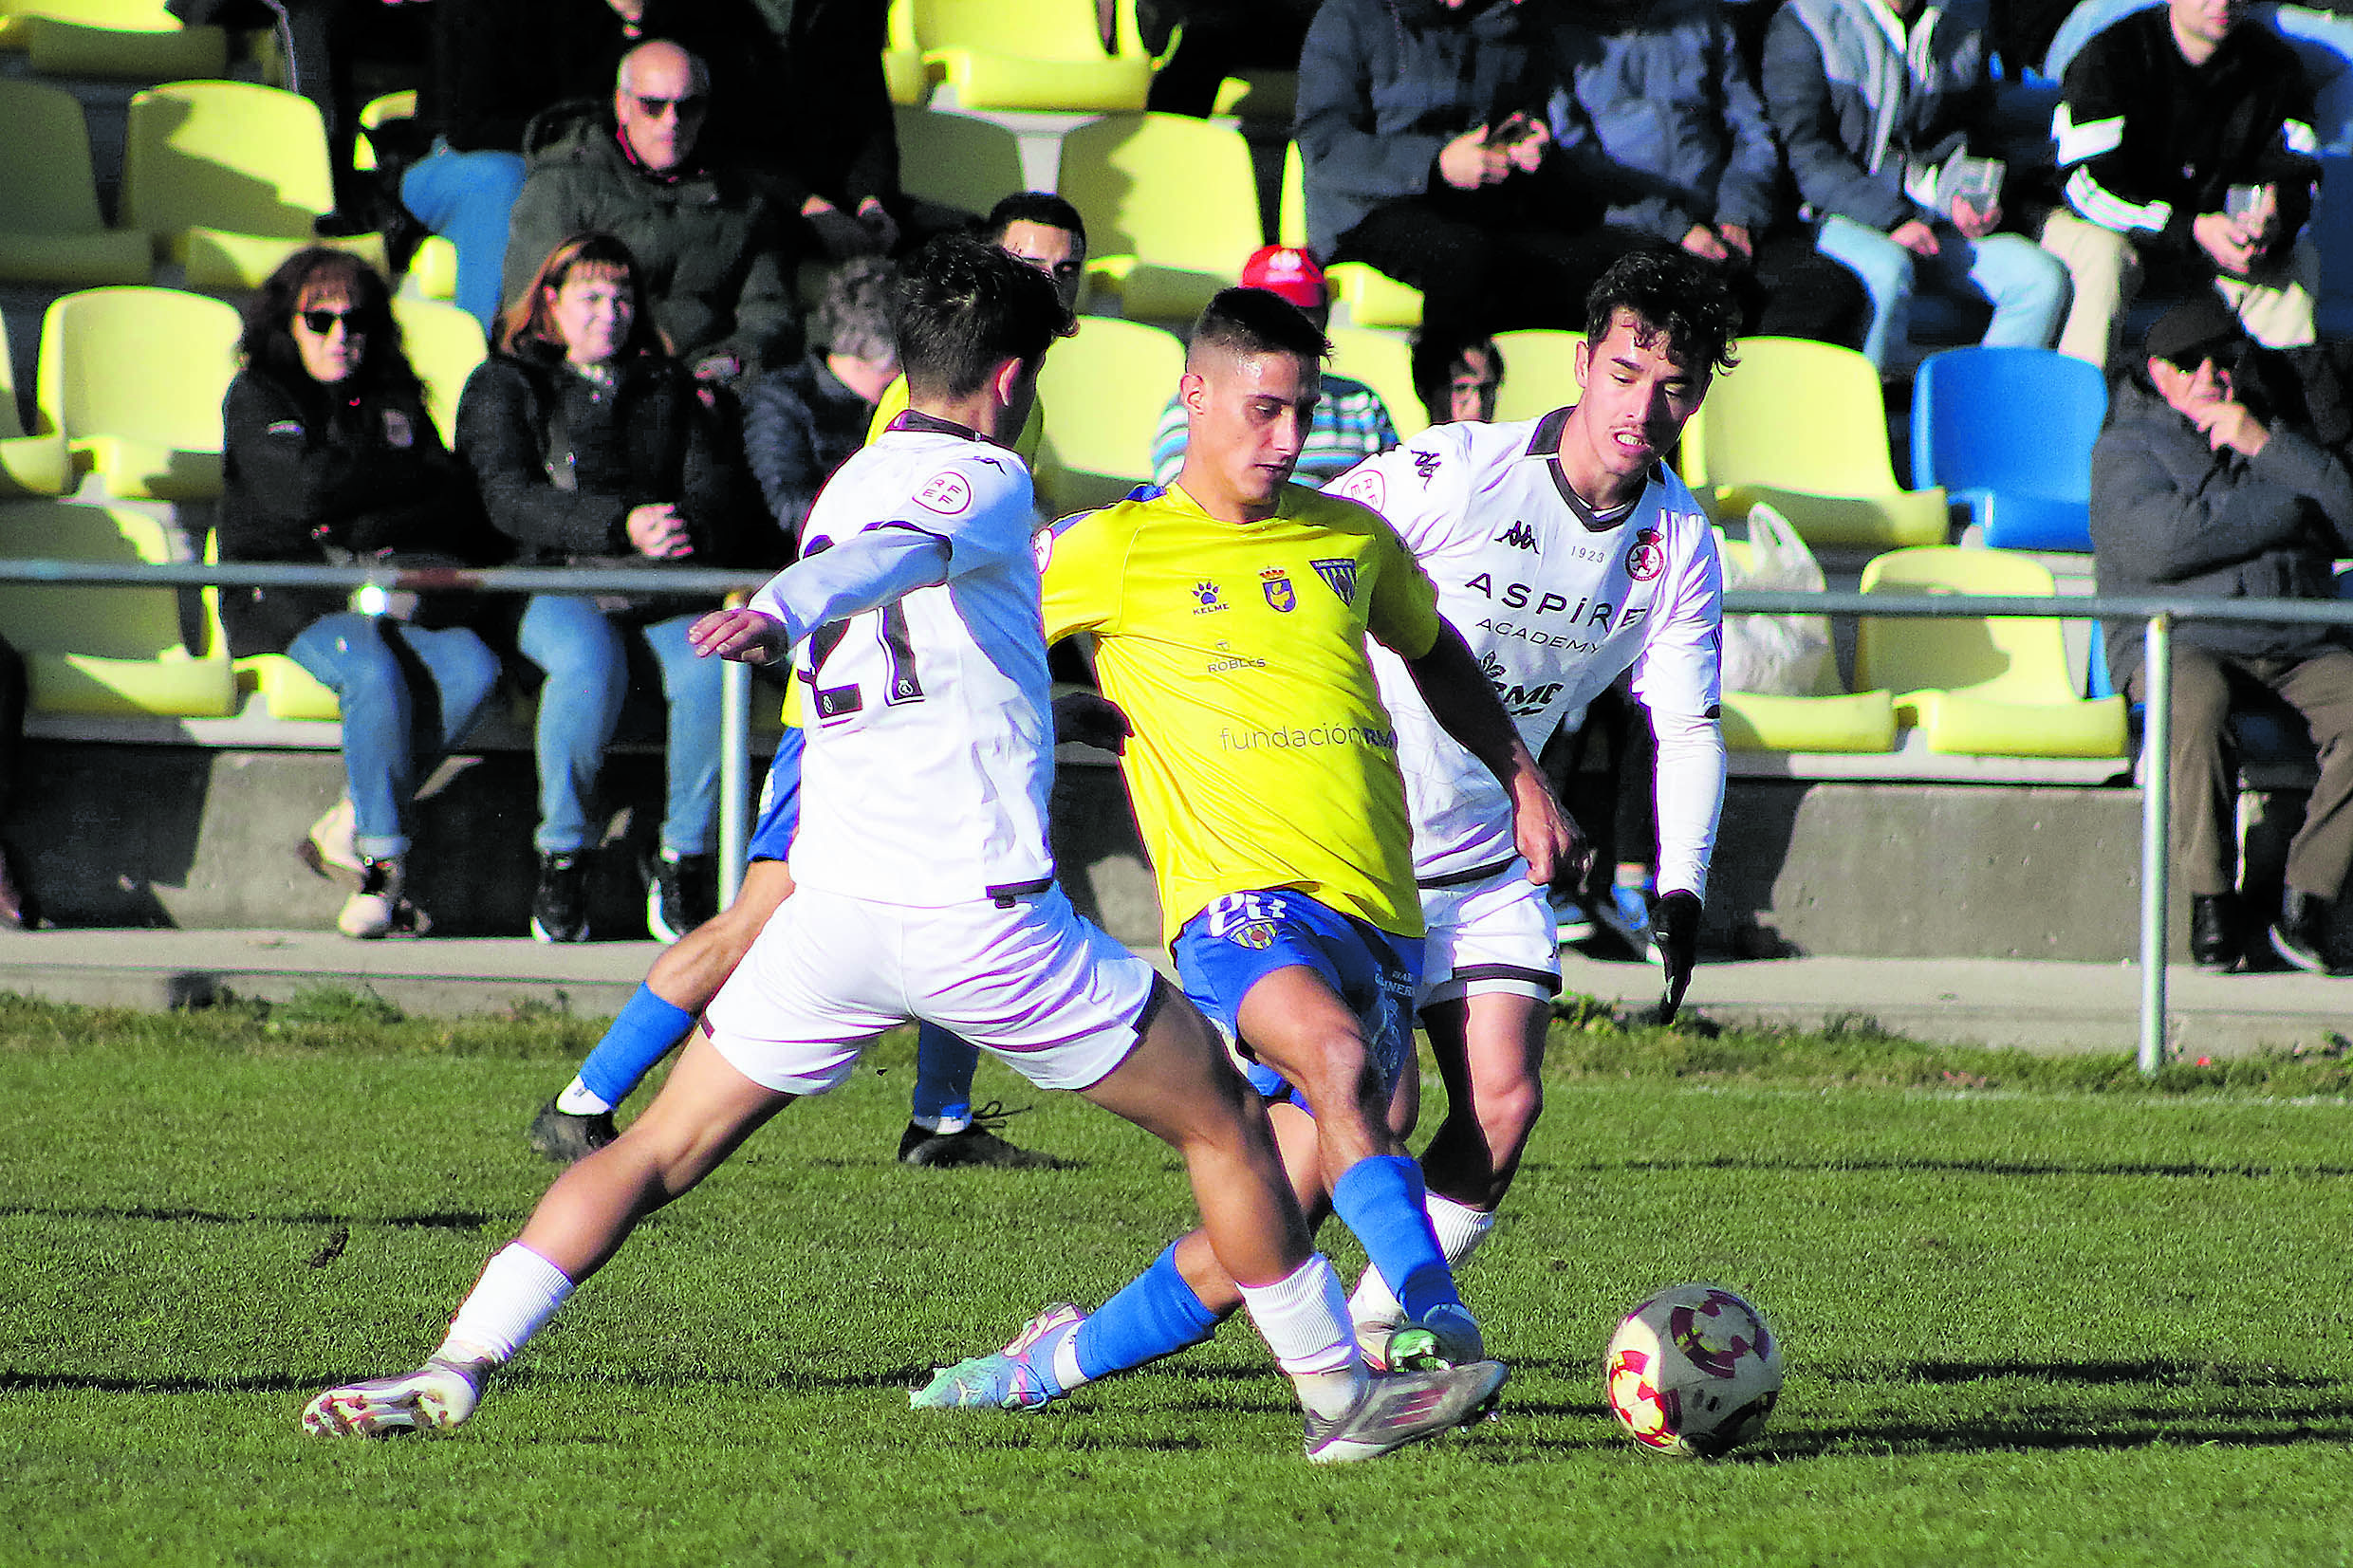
[(331, 457), (591, 445)]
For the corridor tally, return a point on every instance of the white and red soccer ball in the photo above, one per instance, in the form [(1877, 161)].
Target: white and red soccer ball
[(1692, 1371)]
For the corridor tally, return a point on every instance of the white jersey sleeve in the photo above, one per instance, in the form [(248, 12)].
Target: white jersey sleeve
[(1678, 677)]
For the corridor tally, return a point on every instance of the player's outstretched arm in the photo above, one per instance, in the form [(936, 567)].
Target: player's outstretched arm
[(862, 572), (1464, 702), (740, 634)]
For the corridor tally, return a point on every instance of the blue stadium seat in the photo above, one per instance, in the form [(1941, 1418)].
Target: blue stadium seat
[(2008, 432)]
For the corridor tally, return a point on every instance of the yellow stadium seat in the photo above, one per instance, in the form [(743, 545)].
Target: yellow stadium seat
[(229, 176), (1995, 686), (957, 160), (1171, 205), (287, 691), (127, 39), (1268, 96), (1827, 720), (1104, 392), (904, 75), (399, 105), (432, 269), (1539, 372), (133, 378), (29, 465), (1364, 296), (101, 649), (51, 231), (1801, 427), (1291, 206), (444, 344), (1034, 54), (1382, 362)]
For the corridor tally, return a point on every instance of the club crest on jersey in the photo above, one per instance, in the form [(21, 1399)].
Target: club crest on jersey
[(1339, 576), (1519, 536), (946, 493), (1205, 600), (1257, 935), (1277, 585), (1648, 558)]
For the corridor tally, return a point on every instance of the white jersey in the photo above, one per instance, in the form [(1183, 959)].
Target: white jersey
[(1555, 605), (929, 734)]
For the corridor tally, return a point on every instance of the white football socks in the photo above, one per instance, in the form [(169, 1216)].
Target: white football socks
[(519, 1291), (1304, 1320), (578, 1099), (1459, 1228)]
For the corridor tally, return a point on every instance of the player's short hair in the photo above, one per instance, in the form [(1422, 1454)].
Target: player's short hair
[(852, 316), (1254, 320), (1671, 291), (963, 307), (1042, 207)]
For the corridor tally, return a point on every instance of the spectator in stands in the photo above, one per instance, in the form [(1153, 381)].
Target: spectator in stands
[(1657, 110), (1875, 101), (1350, 422), (718, 277), (2199, 489), (329, 456), (17, 908), (591, 446), (802, 421), (1471, 385), (2163, 116), (1426, 153), (1219, 39)]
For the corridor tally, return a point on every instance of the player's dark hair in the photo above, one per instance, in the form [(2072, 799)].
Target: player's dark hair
[(1671, 291), (1042, 207), (1254, 320), (965, 307)]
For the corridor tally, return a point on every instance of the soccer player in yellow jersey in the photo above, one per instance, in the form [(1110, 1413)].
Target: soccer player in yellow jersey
[(1229, 615)]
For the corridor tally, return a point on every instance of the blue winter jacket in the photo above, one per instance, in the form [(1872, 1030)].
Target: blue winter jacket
[(1659, 113)]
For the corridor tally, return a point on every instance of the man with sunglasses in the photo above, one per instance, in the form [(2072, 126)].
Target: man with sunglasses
[(710, 246), (2199, 487)]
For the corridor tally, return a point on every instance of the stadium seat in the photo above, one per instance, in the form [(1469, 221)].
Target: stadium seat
[(124, 40), (1991, 686), (444, 344), (1539, 372), (956, 159), (905, 74), (51, 231), (29, 465), (379, 112), (1034, 54), (103, 648), (133, 378), (229, 176), (2331, 230), (2008, 433), (1291, 205), (1104, 392), (1802, 426), (1364, 296), (1827, 720), (285, 689), (1382, 362), (1171, 205), (1269, 97)]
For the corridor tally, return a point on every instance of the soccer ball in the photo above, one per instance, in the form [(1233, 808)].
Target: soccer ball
[(1692, 1371)]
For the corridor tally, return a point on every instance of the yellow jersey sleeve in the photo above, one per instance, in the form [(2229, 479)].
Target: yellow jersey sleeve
[(893, 403), (1403, 615), (1083, 571)]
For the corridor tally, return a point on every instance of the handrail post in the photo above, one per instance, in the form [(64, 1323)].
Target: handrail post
[(2155, 852)]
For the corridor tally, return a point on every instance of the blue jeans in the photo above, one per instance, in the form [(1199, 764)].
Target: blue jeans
[(466, 197), (585, 658), (408, 695), (2025, 285)]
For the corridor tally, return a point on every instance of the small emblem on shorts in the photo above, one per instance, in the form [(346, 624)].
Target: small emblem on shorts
[(1339, 576), (1648, 558), (1278, 583), (1257, 935), (1205, 598), (946, 493)]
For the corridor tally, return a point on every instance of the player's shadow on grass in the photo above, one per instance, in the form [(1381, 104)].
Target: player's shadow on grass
[(2179, 1169), (456, 1219), (1992, 1437), (59, 1382), (2166, 1371)]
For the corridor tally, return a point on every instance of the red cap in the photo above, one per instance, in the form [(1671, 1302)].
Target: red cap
[(1286, 270)]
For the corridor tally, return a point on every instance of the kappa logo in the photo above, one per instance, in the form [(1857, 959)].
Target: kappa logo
[(1519, 536), (1339, 576), (1426, 466), (1205, 600), (1276, 583), (1648, 558)]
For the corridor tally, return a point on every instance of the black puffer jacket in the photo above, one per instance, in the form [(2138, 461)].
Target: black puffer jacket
[(648, 438), (2170, 515), (320, 474)]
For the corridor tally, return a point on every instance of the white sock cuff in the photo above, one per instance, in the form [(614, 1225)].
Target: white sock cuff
[(1304, 1317), (518, 1292), (1459, 1228), (578, 1099)]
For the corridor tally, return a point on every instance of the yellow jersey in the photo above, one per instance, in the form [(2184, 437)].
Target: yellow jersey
[(1263, 757)]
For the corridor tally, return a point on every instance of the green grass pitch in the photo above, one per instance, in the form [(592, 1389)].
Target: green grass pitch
[(2033, 1312)]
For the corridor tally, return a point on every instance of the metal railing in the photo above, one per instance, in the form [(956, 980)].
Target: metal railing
[(2158, 613)]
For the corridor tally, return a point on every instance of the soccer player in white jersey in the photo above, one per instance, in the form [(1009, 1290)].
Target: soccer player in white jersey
[(1565, 553), (914, 609)]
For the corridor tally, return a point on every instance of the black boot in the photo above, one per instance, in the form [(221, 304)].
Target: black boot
[(2301, 934), (2213, 931)]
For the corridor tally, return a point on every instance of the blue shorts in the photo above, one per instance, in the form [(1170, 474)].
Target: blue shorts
[(1243, 937), (780, 801)]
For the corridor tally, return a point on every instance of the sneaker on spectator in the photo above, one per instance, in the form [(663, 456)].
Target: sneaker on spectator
[(682, 891), (380, 906), (1625, 912), (329, 848), (560, 904)]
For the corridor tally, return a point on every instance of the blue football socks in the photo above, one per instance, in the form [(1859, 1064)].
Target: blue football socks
[(643, 1035), (1156, 1314), (944, 1064), (1380, 1198)]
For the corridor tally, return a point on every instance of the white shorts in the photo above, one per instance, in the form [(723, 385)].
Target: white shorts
[(1034, 982), (1495, 934)]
